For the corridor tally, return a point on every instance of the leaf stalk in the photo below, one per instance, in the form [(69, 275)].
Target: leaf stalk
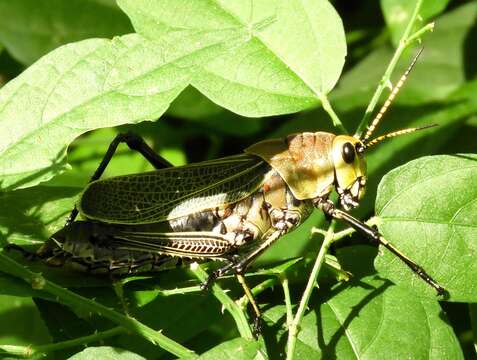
[(295, 325)]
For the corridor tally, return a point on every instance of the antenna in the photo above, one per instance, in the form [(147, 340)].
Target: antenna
[(395, 133), (390, 98)]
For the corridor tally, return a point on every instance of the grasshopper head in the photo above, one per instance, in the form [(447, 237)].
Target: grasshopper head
[(350, 169)]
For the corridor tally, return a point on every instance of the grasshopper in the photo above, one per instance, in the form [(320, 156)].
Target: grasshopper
[(230, 209)]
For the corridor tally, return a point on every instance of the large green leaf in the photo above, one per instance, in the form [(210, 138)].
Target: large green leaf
[(99, 83), (238, 348), (372, 320), (91, 84), (428, 208), (295, 53), (192, 105), (30, 216), (31, 28), (105, 353), (20, 323)]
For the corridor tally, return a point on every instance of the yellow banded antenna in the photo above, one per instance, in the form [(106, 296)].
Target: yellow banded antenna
[(390, 99)]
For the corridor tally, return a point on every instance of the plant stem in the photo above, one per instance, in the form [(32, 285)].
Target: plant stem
[(258, 289), (74, 300), (405, 41), (294, 327), (233, 308), (329, 109), (417, 35), (286, 293), (29, 351), (344, 233), (180, 291)]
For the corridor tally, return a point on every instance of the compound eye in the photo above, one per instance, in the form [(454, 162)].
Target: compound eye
[(348, 153)]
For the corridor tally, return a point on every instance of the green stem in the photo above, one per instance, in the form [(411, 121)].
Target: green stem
[(405, 41), (180, 291), (233, 308), (74, 300), (286, 293), (329, 109), (418, 34), (344, 233), (29, 351), (258, 289), (295, 325)]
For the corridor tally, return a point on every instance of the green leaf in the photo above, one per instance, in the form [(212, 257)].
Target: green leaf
[(428, 209), (21, 323), (295, 53), (194, 106), (372, 320), (182, 317), (398, 12), (64, 324), (191, 104), (130, 79), (238, 348), (91, 84), (105, 353), (30, 216), (31, 28)]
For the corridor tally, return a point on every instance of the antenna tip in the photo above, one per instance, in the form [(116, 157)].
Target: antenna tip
[(426, 126)]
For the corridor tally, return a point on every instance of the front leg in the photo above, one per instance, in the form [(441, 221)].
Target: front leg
[(372, 233), (222, 271)]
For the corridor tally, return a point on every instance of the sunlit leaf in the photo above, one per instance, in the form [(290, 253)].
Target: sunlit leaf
[(428, 208), (295, 53), (106, 353), (372, 320)]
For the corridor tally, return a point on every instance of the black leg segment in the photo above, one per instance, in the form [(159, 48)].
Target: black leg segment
[(372, 233), (134, 142)]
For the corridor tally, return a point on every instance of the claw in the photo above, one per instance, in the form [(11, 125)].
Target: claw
[(257, 327), (205, 286)]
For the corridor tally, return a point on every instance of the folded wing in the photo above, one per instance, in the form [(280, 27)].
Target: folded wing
[(171, 193)]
